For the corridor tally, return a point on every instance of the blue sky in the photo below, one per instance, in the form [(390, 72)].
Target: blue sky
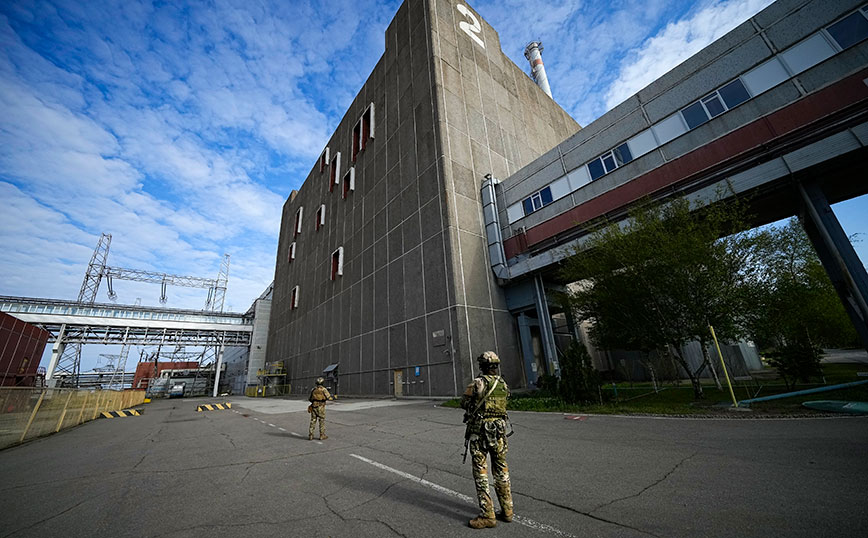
[(181, 127)]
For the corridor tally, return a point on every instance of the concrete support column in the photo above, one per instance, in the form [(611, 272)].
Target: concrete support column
[(217, 373), (545, 325), (837, 255), (526, 341), (56, 352)]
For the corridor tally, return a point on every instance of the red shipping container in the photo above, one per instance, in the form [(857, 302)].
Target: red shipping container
[(21, 348)]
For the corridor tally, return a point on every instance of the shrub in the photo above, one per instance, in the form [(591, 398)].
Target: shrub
[(579, 382)]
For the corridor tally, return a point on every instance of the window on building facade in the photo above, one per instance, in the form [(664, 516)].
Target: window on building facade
[(323, 160), (609, 161), (357, 136), (293, 298), (363, 131), (537, 200), (734, 94), (320, 217), (694, 115), (715, 104), (291, 255), (337, 263), (349, 182), (335, 171), (367, 126), (298, 215), (850, 30)]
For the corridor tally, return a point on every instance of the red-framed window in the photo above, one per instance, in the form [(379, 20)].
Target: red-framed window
[(293, 298), (367, 127), (349, 182), (337, 263), (323, 160), (291, 255), (357, 135), (363, 131), (320, 217), (298, 215), (335, 171)]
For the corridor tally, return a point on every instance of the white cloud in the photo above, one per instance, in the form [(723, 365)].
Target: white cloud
[(678, 41), (176, 131)]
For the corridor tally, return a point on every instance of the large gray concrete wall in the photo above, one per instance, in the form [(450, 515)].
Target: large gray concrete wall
[(416, 295), (491, 118), (258, 340)]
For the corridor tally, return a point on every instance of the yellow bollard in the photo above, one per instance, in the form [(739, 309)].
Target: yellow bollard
[(725, 373)]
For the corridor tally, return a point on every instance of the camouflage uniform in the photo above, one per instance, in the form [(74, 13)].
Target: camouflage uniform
[(318, 397), (487, 430)]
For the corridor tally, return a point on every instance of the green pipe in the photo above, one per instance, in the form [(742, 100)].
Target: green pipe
[(801, 392)]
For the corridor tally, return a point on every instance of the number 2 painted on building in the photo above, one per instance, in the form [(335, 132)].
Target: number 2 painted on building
[(470, 29)]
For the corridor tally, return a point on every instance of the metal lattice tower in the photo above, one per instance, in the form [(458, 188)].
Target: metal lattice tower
[(95, 270), (120, 367), (216, 298), (67, 360), (217, 294)]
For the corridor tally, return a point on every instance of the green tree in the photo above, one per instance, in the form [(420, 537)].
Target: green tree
[(796, 309), (657, 281)]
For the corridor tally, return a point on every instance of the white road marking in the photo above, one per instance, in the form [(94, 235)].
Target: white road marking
[(270, 424), (281, 429), (527, 522)]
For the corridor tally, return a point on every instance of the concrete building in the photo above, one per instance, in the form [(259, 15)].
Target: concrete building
[(381, 265)]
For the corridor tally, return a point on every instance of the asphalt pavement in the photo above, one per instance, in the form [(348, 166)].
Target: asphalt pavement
[(394, 468)]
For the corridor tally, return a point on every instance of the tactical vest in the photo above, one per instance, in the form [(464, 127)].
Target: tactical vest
[(495, 404), (318, 395)]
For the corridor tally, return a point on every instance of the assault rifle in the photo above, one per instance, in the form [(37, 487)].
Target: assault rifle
[(471, 416), (468, 419)]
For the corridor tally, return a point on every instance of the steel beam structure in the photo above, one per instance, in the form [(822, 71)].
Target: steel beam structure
[(73, 324), (837, 255), (146, 336)]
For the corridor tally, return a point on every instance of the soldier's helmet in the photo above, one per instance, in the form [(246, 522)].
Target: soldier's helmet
[(488, 357), (320, 381)]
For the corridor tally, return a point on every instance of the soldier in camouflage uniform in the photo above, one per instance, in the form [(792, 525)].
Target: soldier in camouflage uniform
[(485, 404), (318, 397)]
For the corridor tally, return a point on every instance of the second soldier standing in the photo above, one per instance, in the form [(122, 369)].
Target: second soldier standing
[(319, 395), (485, 404)]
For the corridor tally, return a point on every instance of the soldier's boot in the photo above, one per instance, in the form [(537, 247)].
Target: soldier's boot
[(310, 437), (504, 497), (482, 522), (323, 437)]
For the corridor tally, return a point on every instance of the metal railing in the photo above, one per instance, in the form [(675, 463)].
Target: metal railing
[(264, 391), (28, 412)]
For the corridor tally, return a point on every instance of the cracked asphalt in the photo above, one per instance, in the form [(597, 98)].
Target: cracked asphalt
[(251, 471)]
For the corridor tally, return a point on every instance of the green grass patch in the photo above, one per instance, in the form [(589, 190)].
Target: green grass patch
[(640, 398)]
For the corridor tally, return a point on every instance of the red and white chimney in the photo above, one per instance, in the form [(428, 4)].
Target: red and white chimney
[(537, 70)]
